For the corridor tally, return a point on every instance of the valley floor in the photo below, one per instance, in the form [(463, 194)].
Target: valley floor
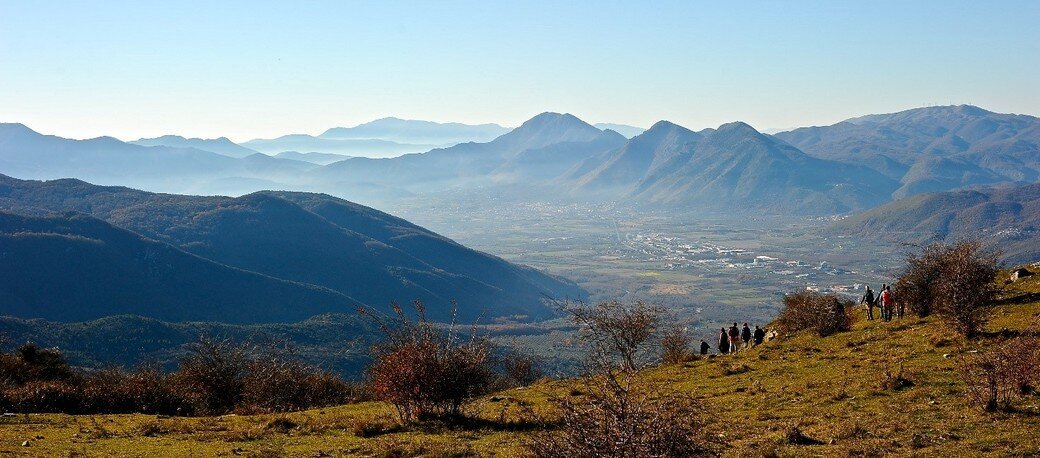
[(830, 388)]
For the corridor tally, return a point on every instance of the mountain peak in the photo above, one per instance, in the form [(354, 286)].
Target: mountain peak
[(664, 126), (737, 126), (549, 117), (16, 127)]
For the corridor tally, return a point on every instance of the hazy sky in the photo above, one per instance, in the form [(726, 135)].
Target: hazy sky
[(246, 70)]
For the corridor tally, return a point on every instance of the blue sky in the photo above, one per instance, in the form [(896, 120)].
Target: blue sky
[(250, 69)]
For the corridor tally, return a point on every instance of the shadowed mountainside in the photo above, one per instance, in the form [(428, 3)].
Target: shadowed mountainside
[(74, 267), (355, 250)]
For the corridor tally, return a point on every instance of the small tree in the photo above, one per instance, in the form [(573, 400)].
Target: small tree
[(425, 371), (956, 282), (520, 369), (616, 333), (618, 414), (914, 288), (675, 345), (825, 314)]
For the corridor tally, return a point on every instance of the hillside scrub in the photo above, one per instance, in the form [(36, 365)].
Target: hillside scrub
[(428, 372), (675, 345), (616, 412), (216, 378), (824, 314), (954, 281), (1008, 371)]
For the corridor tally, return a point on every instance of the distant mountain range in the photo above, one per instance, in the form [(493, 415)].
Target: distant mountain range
[(338, 252), (549, 140), (27, 154), (850, 166), (350, 147), (932, 149), (733, 166), (216, 145), (418, 132), (314, 158), (1008, 218)]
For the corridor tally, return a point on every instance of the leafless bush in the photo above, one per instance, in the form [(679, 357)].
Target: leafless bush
[(954, 281), (1004, 373), (619, 417), (675, 345), (825, 314), (892, 376), (215, 373), (217, 377), (278, 382), (29, 362), (428, 372), (616, 333), (612, 413), (520, 369)]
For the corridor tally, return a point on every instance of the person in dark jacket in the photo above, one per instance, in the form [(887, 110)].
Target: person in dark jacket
[(760, 335), (870, 301), (723, 342), (704, 347), (745, 336), (734, 338)]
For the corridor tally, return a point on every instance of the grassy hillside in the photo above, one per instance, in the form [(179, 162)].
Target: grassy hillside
[(830, 388)]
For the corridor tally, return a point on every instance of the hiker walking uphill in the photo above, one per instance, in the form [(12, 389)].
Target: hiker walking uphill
[(886, 302), (760, 335), (723, 342), (870, 301), (745, 336), (734, 338)]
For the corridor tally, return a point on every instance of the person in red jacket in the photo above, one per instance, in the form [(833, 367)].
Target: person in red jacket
[(886, 302)]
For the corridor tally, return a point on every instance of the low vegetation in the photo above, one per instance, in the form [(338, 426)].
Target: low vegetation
[(217, 377), (955, 281), (825, 314), (428, 372), (619, 413)]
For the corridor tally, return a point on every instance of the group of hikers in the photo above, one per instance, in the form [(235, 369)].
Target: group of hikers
[(884, 301), (735, 338), (732, 340)]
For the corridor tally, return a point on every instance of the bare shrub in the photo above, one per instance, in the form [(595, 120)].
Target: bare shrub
[(675, 345), (217, 377), (892, 376), (619, 417), (616, 333), (520, 369), (215, 374), (276, 381), (425, 371), (612, 413), (45, 397), (1006, 372), (825, 314), (29, 362), (954, 281)]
